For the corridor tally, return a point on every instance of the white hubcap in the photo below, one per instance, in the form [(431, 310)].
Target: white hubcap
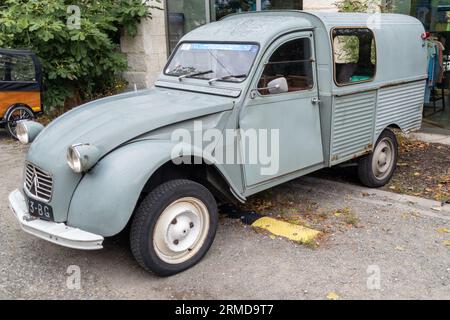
[(181, 230), (383, 159)]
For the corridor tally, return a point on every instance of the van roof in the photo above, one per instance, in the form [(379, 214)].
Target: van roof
[(340, 19), (249, 27), (263, 26), (404, 33)]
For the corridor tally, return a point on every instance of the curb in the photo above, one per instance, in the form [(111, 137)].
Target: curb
[(425, 204), (276, 227), (430, 137)]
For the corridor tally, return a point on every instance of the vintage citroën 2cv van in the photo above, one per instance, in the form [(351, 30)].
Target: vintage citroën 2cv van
[(332, 84)]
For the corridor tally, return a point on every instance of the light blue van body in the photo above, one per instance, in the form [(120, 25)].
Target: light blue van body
[(319, 128)]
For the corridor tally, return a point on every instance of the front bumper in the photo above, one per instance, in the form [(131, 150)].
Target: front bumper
[(58, 233)]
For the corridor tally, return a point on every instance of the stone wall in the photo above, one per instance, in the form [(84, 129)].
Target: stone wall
[(147, 51)]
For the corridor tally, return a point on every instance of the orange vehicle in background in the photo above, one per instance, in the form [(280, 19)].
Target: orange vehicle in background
[(20, 88)]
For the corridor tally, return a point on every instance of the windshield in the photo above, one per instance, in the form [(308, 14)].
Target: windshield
[(224, 62)]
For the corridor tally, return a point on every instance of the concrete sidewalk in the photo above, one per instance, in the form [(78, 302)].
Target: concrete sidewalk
[(431, 134), (430, 137)]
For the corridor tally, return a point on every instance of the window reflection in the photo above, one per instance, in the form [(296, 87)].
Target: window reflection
[(221, 8), (184, 16), (281, 4)]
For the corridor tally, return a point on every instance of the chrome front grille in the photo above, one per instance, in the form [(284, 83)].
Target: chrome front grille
[(38, 183)]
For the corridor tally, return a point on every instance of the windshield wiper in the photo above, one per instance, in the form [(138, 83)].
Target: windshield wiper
[(194, 74), (227, 77)]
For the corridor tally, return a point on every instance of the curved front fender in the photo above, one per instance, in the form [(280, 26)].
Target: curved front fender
[(105, 198)]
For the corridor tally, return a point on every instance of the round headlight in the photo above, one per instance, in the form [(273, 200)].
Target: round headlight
[(22, 132), (74, 159), (82, 157), (27, 131)]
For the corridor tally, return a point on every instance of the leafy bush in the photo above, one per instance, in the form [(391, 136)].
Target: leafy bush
[(80, 57), (364, 5)]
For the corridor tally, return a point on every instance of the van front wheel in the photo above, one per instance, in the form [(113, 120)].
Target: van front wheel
[(174, 226), (376, 169)]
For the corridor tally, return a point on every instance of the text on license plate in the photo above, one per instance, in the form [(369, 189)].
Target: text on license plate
[(40, 210)]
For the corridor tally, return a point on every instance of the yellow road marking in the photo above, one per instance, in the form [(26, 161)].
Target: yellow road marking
[(287, 230)]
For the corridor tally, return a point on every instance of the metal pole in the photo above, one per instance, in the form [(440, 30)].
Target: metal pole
[(166, 14), (208, 10), (258, 5)]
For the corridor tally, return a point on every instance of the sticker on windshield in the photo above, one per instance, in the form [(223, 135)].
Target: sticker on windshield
[(218, 46)]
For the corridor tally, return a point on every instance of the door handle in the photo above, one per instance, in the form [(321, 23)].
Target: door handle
[(315, 100)]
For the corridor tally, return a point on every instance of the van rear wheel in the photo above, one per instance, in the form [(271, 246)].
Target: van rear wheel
[(174, 227), (376, 169)]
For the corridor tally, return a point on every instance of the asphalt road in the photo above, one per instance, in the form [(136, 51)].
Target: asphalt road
[(395, 253)]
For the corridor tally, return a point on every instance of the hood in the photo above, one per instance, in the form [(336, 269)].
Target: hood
[(108, 123), (112, 121)]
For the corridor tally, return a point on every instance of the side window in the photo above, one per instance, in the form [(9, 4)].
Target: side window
[(17, 68), (23, 69), (5, 68), (354, 55), (293, 61)]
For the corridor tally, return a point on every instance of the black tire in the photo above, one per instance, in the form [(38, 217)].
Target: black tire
[(15, 114), (367, 169), (147, 215)]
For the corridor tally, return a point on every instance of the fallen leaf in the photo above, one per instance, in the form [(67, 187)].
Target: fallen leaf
[(436, 208), (443, 230), (399, 248), (416, 174), (332, 296), (446, 243)]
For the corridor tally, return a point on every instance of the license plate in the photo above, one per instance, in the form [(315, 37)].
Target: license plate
[(40, 210)]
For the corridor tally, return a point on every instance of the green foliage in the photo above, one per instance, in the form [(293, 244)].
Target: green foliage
[(82, 61), (365, 5)]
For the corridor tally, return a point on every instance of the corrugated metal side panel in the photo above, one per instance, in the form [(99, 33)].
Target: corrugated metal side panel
[(353, 125), (401, 105)]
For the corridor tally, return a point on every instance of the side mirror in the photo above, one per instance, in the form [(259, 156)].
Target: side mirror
[(278, 85)]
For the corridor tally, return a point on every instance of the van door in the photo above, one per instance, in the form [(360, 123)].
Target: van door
[(294, 114)]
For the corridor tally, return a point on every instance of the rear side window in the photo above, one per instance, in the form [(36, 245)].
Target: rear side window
[(355, 57)]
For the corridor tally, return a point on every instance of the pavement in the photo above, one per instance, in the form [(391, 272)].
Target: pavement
[(398, 251), (431, 134), (431, 137)]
